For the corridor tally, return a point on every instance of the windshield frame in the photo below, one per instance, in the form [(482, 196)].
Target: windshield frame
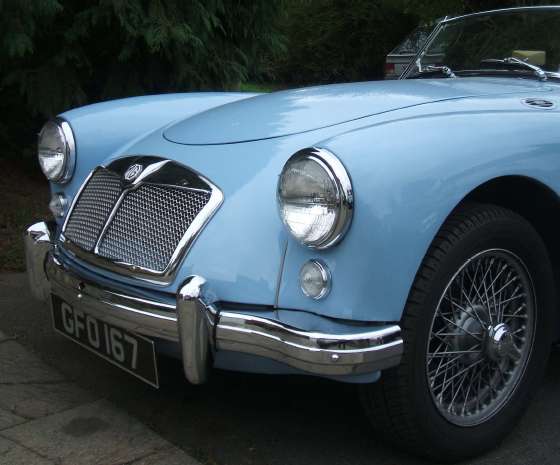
[(452, 19)]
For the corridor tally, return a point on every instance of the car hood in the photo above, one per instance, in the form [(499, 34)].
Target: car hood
[(302, 110)]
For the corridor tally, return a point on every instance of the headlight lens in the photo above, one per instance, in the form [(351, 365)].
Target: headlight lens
[(57, 151), (315, 198), (315, 279)]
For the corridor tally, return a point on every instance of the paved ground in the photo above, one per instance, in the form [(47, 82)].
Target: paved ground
[(47, 420), (236, 419)]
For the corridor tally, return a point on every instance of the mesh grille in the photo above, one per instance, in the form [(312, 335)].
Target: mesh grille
[(149, 224), (93, 208)]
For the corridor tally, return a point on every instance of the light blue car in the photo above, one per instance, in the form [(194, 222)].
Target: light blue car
[(400, 235)]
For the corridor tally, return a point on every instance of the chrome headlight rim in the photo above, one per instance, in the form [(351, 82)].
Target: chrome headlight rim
[(340, 178), (69, 163)]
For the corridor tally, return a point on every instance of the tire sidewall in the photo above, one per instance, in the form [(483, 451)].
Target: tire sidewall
[(510, 234)]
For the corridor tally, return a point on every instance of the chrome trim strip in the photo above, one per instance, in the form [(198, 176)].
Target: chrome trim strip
[(71, 150), (521, 9), (316, 353), (344, 185), (149, 175)]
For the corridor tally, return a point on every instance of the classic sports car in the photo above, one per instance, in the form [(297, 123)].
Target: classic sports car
[(300, 232)]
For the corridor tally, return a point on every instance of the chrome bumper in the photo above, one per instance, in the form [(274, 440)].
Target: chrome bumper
[(202, 329), (38, 244)]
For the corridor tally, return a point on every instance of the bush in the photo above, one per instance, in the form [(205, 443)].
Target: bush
[(334, 41), (57, 54)]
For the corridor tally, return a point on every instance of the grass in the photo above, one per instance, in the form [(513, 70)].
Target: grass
[(256, 87), (24, 195)]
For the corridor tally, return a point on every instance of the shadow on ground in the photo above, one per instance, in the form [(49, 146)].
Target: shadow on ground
[(249, 419)]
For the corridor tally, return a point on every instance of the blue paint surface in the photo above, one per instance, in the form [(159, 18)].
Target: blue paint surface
[(301, 110), (413, 149)]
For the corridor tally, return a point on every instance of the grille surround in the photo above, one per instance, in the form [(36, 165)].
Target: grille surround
[(152, 223)]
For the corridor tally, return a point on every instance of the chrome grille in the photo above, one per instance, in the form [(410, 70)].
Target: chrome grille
[(93, 209), (150, 223), (140, 225)]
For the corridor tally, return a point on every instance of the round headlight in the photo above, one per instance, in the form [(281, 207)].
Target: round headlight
[(315, 198), (57, 151)]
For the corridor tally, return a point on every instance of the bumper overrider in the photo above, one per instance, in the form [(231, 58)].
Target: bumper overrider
[(203, 329)]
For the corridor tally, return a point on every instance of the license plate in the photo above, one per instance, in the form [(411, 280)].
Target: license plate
[(129, 351)]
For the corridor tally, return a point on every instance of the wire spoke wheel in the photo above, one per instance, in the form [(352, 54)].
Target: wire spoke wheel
[(477, 329), (481, 337)]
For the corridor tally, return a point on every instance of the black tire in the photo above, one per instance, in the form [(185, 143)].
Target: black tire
[(401, 406)]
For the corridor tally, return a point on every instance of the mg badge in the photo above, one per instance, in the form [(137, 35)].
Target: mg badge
[(133, 172)]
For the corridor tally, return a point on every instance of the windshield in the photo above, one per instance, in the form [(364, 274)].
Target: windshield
[(414, 42), (479, 44)]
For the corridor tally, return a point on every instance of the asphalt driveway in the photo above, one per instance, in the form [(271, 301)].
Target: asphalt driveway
[(249, 419)]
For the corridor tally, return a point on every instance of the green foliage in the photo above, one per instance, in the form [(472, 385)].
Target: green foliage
[(258, 87), (333, 40), (57, 54)]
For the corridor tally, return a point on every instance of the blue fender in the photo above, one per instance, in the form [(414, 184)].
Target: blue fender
[(409, 171), (410, 167)]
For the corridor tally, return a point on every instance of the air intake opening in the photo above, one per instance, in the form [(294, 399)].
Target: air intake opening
[(539, 103)]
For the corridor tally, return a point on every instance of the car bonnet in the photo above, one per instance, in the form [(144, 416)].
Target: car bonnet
[(301, 110)]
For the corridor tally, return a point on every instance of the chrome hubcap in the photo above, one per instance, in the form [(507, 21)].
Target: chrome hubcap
[(500, 343), (481, 337)]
